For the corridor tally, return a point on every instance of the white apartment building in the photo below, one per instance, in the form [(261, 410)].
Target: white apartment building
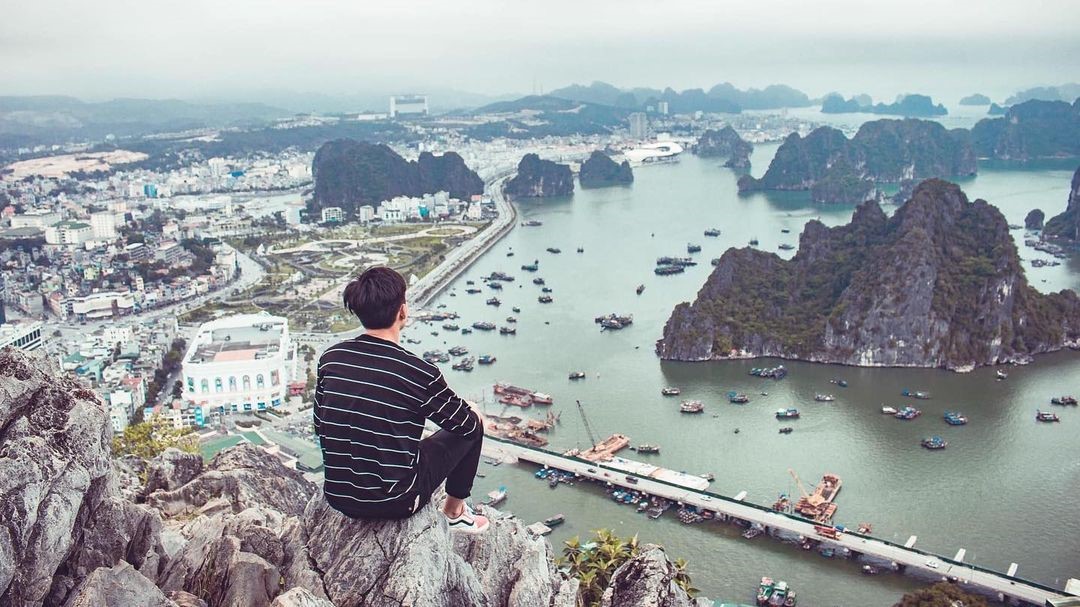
[(365, 213), (103, 225), (35, 218), (101, 305), (68, 234), (21, 336), (336, 214), (239, 363)]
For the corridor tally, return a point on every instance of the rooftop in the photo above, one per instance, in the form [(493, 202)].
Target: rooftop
[(238, 338)]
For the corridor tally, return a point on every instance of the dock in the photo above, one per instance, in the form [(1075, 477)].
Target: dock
[(1007, 585)]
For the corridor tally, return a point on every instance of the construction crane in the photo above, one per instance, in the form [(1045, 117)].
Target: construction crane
[(588, 428), (799, 484)]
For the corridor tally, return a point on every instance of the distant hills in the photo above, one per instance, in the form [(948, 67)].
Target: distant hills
[(912, 106), (1064, 92), (1030, 130), (975, 99), (546, 115), (723, 98)]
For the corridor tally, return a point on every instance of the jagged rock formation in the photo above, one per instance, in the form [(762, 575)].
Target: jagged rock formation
[(351, 173), (1067, 224), (882, 151), (1030, 130), (725, 142), (600, 171), (918, 106), (647, 580), (1034, 219), (538, 178), (975, 99), (240, 531), (938, 284), (843, 188), (996, 110)]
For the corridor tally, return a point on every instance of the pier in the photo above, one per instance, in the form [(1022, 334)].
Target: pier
[(1008, 585)]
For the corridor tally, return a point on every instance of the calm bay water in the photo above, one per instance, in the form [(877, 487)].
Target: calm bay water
[(1006, 489)]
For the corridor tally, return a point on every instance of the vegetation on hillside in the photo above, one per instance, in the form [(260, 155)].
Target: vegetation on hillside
[(593, 563), (941, 594), (149, 438)]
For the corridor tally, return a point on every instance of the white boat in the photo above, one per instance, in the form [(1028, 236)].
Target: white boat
[(888, 410), (660, 151)]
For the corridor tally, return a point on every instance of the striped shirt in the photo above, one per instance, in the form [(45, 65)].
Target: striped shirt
[(371, 401)]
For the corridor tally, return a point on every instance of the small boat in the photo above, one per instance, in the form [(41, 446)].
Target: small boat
[(544, 299), (546, 290), (466, 330), (738, 398), (908, 413), (916, 394), (866, 528), (450, 327), (1063, 400), (484, 326), (787, 430), (870, 570), (458, 351), (554, 250), (539, 398), (510, 254), (511, 319), (465, 364), (486, 359), (826, 552), (668, 270), (691, 406), (753, 242), (581, 249), (713, 232), (532, 223), (888, 410), (955, 418), (496, 497), (1002, 375), (538, 281), (670, 391), (934, 443), (470, 282), (495, 285), (765, 590), (785, 231), (553, 482), (640, 289), (516, 310), (709, 476), (647, 448), (840, 382), (507, 331), (555, 521), (494, 301), (530, 267), (791, 413), (1046, 416), (693, 248), (824, 398), (715, 261), (577, 375), (472, 291), (786, 247)]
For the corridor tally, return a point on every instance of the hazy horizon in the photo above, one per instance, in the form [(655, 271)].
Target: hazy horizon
[(251, 51)]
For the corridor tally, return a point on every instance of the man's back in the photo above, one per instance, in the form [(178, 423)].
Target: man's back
[(371, 402)]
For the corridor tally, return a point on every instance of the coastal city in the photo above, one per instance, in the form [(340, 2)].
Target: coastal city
[(807, 340)]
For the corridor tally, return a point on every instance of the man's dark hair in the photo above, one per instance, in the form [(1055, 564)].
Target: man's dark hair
[(375, 297)]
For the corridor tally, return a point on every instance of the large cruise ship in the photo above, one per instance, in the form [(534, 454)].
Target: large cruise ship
[(660, 151)]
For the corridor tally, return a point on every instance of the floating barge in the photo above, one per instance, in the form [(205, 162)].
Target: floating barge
[(818, 505)]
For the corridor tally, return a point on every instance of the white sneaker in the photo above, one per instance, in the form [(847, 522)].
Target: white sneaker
[(469, 522)]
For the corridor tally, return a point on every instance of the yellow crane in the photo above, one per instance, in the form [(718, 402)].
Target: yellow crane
[(799, 484)]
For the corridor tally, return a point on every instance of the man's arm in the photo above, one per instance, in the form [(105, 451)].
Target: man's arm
[(317, 409), (448, 410)]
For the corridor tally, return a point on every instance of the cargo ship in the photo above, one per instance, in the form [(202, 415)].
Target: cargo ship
[(818, 505)]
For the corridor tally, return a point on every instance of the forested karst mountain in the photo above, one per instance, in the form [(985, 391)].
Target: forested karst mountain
[(975, 99), (915, 106), (538, 178), (1030, 130), (882, 151), (1067, 224), (351, 173), (725, 143), (938, 284), (723, 97), (599, 170)]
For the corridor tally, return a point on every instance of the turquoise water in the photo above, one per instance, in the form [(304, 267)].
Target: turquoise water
[(1006, 488)]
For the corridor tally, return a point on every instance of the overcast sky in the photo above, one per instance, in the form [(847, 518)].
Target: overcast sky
[(239, 48)]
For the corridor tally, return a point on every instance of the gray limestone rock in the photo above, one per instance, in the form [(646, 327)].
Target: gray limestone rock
[(119, 586)]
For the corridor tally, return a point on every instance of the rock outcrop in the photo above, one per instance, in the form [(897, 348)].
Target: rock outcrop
[(538, 178), (1034, 219), (601, 171), (351, 173), (916, 106), (1067, 224), (938, 284), (975, 99), (1029, 131), (240, 531), (882, 151), (725, 143), (647, 580)]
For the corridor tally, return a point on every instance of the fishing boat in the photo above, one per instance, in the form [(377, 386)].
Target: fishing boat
[(675, 261), (691, 406), (507, 331), (778, 372), (458, 351), (472, 291), (715, 261), (555, 521), (511, 319), (1046, 416), (496, 497), (640, 289), (765, 590), (824, 398), (553, 482), (668, 270), (934, 443), (539, 398), (738, 398), (791, 413), (955, 418), (486, 359), (670, 391), (516, 310), (538, 281), (531, 267), (546, 290), (647, 448), (840, 382), (786, 247), (554, 250), (1002, 375), (532, 223), (916, 394), (827, 552), (753, 242), (887, 410), (509, 253), (1063, 400), (870, 570), (436, 356), (450, 327), (495, 285), (581, 249), (577, 375), (787, 430), (484, 326), (866, 528), (466, 331), (779, 595), (465, 364), (714, 232), (693, 248), (544, 299), (908, 413)]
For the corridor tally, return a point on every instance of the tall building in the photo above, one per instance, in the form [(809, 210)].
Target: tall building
[(639, 125), (335, 214), (68, 233), (239, 363), (103, 225), (21, 336), (415, 105)]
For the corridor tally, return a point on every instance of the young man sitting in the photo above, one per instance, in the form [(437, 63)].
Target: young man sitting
[(371, 402)]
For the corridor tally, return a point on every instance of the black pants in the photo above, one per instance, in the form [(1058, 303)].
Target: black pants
[(450, 457)]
